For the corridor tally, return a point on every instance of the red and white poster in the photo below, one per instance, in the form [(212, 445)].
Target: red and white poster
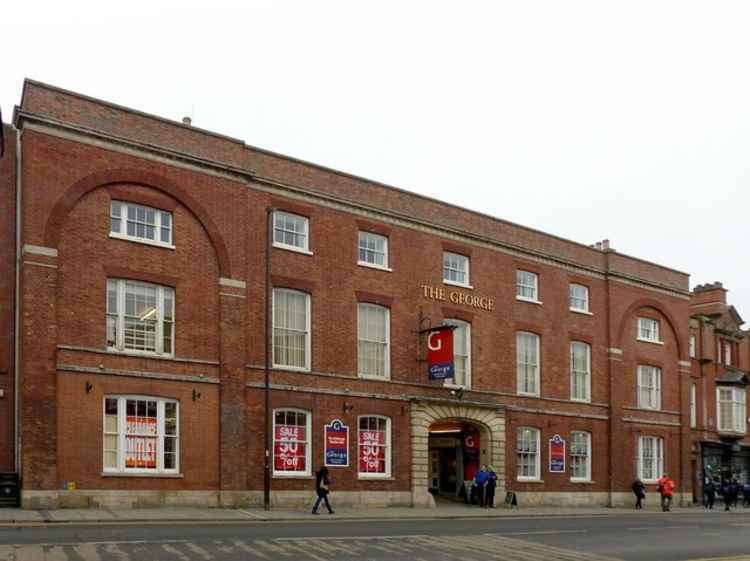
[(289, 449), (440, 352), (140, 442), (371, 451)]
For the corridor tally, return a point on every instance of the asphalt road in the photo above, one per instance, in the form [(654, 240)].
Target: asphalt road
[(648, 537)]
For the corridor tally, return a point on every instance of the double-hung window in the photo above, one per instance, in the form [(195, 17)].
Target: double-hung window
[(461, 352), (692, 346), (291, 231), (141, 435), (140, 223), (527, 286), (374, 440), (291, 329), (528, 461), (140, 317), (650, 458), (455, 269), (373, 250), (649, 387), (580, 456), (291, 442), (579, 298), (648, 330), (580, 371), (373, 341), (527, 363), (732, 408), (693, 407)]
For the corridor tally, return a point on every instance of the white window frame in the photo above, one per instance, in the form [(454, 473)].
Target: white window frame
[(727, 352), (308, 445), (653, 389), (122, 435), (305, 233), (737, 404), (657, 444), (388, 449), (587, 461), (123, 218), (649, 330), (387, 356), (538, 367), (308, 333), (534, 287), (574, 299), (385, 253), (692, 346), (537, 460), (451, 382), (461, 259), (119, 318), (587, 373), (693, 406)]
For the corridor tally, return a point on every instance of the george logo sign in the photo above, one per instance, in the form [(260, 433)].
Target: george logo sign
[(336, 440), (557, 454), (440, 352)]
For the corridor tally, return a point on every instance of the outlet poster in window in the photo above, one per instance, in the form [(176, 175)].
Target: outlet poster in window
[(140, 442), (336, 444), (371, 451), (557, 454), (289, 452)]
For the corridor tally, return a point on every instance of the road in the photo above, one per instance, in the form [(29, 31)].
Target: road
[(648, 537)]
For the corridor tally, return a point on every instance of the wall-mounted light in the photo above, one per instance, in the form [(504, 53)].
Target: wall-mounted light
[(196, 395), (348, 407), (457, 393), (88, 387)]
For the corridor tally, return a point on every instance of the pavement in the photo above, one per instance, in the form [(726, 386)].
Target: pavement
[(17, 516)]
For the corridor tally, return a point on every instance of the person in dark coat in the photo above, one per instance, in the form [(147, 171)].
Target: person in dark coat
[(746, 494), (322, 489), (709, 490), (729, 493), (489, 488), (639, 490)]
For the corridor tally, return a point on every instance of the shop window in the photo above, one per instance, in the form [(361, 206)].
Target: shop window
[(373, 341), (373, 250), (291, 442), (455, 269), (580, 371), (140, 317), (290, 231), (528, 461), (650, 458), (527, 286), (731, 404), (649, 387), (579, 298), (140, 223), (141, 435), (648, 330), (291, 329), (580, 456), (527, 363), (461, 353), (374, 446)]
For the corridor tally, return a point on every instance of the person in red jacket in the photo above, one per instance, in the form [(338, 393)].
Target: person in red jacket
[(665, 486)]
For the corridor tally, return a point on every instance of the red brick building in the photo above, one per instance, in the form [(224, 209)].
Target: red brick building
[(150, 305)]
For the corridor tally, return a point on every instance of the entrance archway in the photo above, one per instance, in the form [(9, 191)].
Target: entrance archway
[(436, 427)]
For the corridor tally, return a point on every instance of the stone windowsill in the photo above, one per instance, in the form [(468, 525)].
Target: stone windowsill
[(156, 475)]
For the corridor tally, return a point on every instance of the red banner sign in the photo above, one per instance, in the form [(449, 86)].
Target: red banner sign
[(440, 352)]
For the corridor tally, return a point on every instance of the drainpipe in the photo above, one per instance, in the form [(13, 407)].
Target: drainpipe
[(267, 353), (17, 299), (610, 377)]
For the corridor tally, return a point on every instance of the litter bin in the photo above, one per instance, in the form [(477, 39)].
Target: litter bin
[(10, 490)]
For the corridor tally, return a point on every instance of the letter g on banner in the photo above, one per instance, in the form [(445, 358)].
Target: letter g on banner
[(430, 345)]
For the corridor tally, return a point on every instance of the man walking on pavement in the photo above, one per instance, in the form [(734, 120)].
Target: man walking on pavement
[(665, 486)]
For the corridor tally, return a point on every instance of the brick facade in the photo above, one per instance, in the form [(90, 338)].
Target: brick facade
[(79, 154)]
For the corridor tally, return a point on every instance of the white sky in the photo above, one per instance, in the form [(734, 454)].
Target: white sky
[(588, 120)]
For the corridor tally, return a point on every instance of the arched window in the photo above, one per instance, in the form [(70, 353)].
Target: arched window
[(374, 444), (291, 442)]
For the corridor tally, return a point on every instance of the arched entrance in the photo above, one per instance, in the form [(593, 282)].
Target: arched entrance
[(449, 443)]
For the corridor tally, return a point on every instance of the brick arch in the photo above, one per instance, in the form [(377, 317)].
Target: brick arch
[(650, 303), (75, 192)]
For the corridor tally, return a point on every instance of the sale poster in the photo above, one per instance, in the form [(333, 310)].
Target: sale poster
[(336, 444), (371, 451), (140, 442), (289, 448)]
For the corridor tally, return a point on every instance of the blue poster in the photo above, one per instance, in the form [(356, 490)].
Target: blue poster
[(336, 440)]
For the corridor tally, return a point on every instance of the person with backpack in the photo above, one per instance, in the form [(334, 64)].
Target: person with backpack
[(665, 486), (709, 490), (322, 484), (639, 490)]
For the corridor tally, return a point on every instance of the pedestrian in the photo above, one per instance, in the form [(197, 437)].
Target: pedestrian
[(639, 490), (746, 494), (728, 492), (736, 490), (709, 490), (665, 486), (322, 483), (480, 480), (489, 496)]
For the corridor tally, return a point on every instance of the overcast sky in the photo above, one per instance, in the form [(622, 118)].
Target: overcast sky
[(623, 120)]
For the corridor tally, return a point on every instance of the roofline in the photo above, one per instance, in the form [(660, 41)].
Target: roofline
[(30, 81)]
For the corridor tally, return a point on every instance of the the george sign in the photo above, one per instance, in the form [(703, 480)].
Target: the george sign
[(336, 438), (440, 352), (457, 297), (289, 449), (140, 442), (371, 451), (557, 454)]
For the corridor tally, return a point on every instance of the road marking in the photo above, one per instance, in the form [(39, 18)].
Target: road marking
[(169, 548), (251, 514), (87, 551), (539, 533), (199, 550), (353, 538), (244, 547)]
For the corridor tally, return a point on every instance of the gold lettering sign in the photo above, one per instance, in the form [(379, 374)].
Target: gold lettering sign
[(458, 297)]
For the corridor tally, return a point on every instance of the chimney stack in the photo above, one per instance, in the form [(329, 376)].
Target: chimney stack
[(187, 121)]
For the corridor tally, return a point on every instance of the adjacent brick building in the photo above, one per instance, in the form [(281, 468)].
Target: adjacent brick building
[(145, 286)]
